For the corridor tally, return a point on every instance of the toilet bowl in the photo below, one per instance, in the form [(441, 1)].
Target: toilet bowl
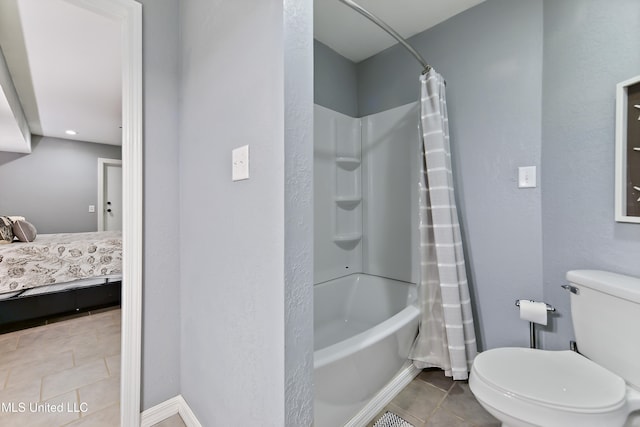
[(525, 387)]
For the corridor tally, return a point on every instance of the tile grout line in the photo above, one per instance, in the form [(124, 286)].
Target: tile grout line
[(6, 379), (106, 366), (446, 394), (78, 400)]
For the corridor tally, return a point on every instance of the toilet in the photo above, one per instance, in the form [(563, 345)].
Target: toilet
[(599, 386)]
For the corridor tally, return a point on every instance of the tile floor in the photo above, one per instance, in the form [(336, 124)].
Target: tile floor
[(430, 400), (71, 365), (74, 364), (434, 400), (174, 421)]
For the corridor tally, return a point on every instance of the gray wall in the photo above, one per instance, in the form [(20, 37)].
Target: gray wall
[(161, 276), (335, 80), (54, 185), (298, 213), (239, 295), (589, 46), (491, 57)]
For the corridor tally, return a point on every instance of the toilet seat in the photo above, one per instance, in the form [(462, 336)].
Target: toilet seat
[(559, 379), (548, 388)]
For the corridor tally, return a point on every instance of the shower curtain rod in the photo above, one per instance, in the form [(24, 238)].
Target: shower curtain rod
[(353, 5)]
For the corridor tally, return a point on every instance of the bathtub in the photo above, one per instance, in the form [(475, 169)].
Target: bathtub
[(364, 327)]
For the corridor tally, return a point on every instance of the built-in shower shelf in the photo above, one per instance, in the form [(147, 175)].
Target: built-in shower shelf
[(348, 163), (348, 202), (347, 238)]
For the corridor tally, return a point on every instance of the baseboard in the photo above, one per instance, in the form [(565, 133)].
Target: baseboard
[(384, 397), (187, 414), (177, 404), (168, 408)]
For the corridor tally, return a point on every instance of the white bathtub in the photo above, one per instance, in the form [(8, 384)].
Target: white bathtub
[(364, 327)]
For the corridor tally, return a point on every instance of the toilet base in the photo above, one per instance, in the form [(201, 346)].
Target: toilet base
[(506, 419)]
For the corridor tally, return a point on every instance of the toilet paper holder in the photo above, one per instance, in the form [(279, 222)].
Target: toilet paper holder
[(549, 307), (532, 327)]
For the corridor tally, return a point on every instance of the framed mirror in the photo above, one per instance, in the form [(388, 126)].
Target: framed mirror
[(627, 195)]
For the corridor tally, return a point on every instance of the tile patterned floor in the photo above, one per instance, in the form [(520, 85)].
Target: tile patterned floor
[(174, 421), (72, 365), (430, 400), (434, 400)]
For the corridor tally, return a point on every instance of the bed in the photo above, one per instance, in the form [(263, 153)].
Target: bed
[(59, 273)]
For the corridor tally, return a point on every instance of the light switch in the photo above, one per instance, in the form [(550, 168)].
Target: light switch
[(527, 177), (240, 163), (92, 208)]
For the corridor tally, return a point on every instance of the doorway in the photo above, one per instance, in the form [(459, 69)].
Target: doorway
[(109, 195)]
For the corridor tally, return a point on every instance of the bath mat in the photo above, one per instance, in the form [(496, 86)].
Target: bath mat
[(389, 419)]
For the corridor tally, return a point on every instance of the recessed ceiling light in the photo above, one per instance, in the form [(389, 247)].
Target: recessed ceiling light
[(70, 132)]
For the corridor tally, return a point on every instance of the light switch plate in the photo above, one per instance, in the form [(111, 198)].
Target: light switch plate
[(240, 163), (527, 177), (92, 208)]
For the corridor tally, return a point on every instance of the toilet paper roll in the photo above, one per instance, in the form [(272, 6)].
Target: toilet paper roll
[(533, 311)]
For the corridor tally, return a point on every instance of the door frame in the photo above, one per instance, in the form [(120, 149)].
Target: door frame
[(102, 169), (129, 14)]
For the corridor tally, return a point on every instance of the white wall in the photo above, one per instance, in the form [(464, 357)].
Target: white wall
[(241, 294), (336, 135), (391, 156), (387, 145)]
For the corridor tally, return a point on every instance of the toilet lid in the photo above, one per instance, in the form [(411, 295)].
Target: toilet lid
[(562, 379)]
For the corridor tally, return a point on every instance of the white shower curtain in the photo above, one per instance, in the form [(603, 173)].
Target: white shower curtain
[(446, 339)]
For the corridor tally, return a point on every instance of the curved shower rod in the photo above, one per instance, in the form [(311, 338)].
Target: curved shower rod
[(353, 5)]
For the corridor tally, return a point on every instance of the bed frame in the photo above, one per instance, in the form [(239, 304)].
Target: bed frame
[(22, 312)]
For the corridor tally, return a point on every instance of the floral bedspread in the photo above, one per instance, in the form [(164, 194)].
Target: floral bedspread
[(59, 258)]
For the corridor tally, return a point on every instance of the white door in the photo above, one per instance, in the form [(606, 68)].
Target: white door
[(113, 198), (109, 194)]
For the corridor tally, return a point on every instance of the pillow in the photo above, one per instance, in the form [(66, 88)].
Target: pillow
[(24, 231), (6, 230)]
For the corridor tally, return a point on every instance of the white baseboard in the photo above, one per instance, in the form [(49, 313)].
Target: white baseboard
[(384, 397), (168, 408), (177, 404)]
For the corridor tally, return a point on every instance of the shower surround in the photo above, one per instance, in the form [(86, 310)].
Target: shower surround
[(366, 258)]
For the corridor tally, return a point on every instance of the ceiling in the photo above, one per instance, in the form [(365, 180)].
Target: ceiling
[(355, 37), (64, 61)]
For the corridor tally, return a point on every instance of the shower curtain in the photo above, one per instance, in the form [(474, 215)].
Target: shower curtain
[(446, 339)]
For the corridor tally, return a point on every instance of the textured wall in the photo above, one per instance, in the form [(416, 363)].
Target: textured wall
[(54, 185), (335, 80), (237, 239), (161, 304), (491, 57), (589, 46), (298, 211)]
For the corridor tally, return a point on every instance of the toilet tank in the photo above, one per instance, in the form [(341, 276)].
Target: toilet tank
[(606, 320)]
